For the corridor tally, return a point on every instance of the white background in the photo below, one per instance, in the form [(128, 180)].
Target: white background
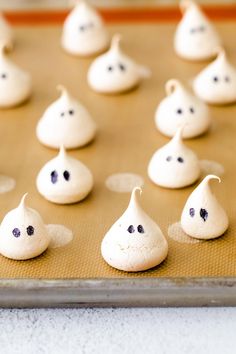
[(131, 331)]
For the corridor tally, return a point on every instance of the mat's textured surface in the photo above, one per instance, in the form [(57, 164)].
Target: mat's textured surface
[(126, 140)]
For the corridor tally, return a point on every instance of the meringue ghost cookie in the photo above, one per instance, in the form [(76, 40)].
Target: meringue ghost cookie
[(23, 234), (64, 179), (84, 33), (181, 109), (114, 72), (135, 242), (195, 37), (174, 165), (65, 122), (15, 84), (6, 33), (216, 84), (202, 216)]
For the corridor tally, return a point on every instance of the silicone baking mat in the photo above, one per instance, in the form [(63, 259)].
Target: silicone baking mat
[(125, 142)]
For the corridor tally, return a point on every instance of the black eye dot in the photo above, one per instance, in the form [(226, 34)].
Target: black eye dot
[(227, 79), (215, 79), (179, 111), (66, 175), (54, 177), (122, 67), (131, 229), (192, 30), (204, 214), (30, 230), (192, 212), (180, 159), (62, 114), (110, 68), (202, 28), (3, 76), (82, 28), (140, 229), (16, 232), (169, 158), (191, 109), (71, 112)]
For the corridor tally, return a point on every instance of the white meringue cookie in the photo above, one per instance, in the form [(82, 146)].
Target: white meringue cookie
[(84, 32), (135, 242), (195, 37), (114, 72), (15, 84), (23, 234), (202, 216), (216, 84), (64, 179), (181, 108), (65, 122), (174, 165), (6, 33)]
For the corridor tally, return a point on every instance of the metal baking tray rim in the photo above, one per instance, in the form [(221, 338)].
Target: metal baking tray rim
[(120, 292)]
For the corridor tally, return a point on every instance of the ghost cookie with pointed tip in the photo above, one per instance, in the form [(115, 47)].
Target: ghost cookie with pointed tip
[(181, 108), (15, 83), (114, 72), (23, 234), (195, 37), (6, 33), (203, 217), (64, 179), (65, 122), (174, 165), (216, 84), (134, 242), (84, 33)]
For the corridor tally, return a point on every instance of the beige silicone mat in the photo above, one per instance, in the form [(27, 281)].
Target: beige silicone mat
[(126, 140)]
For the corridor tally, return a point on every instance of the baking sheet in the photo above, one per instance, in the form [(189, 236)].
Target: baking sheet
[(125, 142)]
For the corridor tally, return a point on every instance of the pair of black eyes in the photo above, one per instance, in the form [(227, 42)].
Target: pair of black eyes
[(131, 229), (121, 66), (54, 176), (197, 29), (203, 213), (30, 231), (3, 76), (217, 79), (71, 112), (180, 110), (179, 159), (82, 28)]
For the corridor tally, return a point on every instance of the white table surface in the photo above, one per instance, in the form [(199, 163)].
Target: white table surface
[(131, 331)]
